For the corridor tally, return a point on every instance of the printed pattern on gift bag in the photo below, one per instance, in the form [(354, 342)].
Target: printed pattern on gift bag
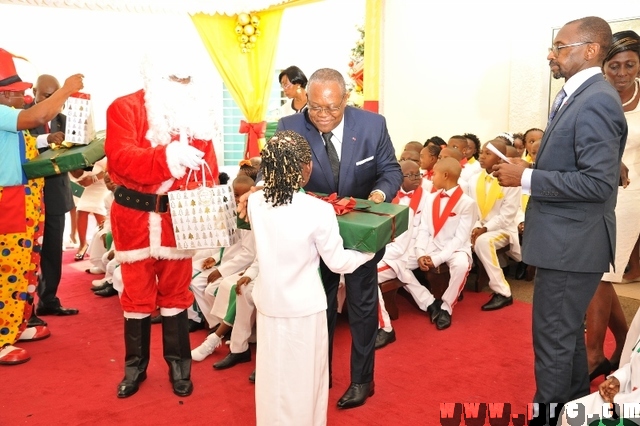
[(204, 217), (79, 113)]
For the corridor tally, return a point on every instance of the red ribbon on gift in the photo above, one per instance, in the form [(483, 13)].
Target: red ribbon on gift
[(81, 95), (340, 205), (254, 132)]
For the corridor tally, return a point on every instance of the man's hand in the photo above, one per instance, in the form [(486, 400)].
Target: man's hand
[(521, 227), (509, 174), (214, 275), (624, 175), (86, 181), (241, 282), (242, 202), (111, 255), (73, 84), (55, 138), (376, 196), (609, 388), (208, 263)]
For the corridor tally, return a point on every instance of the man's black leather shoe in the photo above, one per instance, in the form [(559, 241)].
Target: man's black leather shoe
[(252, 377), (497, 301), (383, 338), (233, 359), (521, 271), (434, 310), (444, 320), (356, 395), (34, 321), (108, 291), (195, 326), (55, 310)]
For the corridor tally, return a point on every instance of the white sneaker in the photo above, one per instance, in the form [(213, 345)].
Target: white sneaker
[(206, 348)]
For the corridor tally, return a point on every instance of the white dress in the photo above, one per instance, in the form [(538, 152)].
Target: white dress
[(92, 199), (292, 368), (628, 204)]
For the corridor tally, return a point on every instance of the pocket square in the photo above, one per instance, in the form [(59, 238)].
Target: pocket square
[(366, 160)]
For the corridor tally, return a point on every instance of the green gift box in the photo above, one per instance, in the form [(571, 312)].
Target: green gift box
[(272, 126), (61, 160), (370, 226)]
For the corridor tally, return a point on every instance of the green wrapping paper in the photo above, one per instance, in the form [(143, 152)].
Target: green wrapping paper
[(53, 162), (369, 227)]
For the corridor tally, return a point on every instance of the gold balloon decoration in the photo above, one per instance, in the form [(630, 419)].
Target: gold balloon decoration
[(247, 30)]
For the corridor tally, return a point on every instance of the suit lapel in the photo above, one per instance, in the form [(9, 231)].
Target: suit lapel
[(563, 110), (348, 147)]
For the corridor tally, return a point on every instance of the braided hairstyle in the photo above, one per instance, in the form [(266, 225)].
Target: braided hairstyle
[(282, 161)]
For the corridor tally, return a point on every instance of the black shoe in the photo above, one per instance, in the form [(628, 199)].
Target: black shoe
[(195, 326), (102, 286), (444, 320), (434, 310), (252, 377), (106, 292), (34, 321), (233, 359), (497, 301), (157, 319), (56, 310), (461, 296), (356, 395), (521, 271), (383, 338)]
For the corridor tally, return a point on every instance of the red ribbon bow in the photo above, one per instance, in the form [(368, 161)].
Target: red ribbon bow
[(254, 132), (340, 205)]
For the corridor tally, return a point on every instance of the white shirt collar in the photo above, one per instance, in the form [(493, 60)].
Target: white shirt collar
[(571, 85)]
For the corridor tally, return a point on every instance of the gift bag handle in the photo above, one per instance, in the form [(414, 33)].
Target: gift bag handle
[(204, 167)]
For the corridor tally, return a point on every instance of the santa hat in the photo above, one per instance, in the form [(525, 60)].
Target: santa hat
[(9, 79)]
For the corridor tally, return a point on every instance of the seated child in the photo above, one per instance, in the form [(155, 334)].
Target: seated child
[(461, 144), (428, 157), (222, 262), (399, 259), (530, 136), (410, 154), (459, 157), (444, 236), (496, 226)]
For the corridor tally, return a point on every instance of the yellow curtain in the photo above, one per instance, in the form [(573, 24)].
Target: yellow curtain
[(247, 75)]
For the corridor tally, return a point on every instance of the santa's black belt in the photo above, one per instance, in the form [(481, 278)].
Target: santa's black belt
[(157, 203)]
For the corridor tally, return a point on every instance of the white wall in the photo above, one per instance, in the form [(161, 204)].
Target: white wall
[(448, 67), (480, 67)]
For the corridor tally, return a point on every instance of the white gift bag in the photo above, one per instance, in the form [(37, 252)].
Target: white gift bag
[(79, 126), (203, 214)]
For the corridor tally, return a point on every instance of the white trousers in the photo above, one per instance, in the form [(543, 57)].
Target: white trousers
[(292, 370), (485, 248), (420, 293), (204, 294), (245, 319)]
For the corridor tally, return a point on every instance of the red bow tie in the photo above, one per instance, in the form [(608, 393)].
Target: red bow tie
[(444, 195), (405, 194), (428, 174)]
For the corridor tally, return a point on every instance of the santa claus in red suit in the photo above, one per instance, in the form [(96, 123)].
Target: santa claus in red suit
[(154, 136)]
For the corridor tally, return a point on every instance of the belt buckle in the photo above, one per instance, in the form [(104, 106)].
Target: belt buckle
[(158, 206)]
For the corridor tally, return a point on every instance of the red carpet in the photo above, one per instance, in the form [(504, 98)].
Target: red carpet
[(71, 379)]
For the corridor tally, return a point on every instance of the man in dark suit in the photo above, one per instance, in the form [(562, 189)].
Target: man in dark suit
[(353, 156), (570, 218), (58, 200)]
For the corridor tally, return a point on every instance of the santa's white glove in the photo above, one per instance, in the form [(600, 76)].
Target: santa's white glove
[(181, 156)]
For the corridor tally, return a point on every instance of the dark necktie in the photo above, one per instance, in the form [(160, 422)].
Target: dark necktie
[(557, 103), (333, 156)]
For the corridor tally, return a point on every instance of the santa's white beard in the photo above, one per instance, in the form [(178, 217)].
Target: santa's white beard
[(174, 109)]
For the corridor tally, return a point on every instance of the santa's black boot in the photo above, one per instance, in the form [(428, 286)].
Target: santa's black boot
[(177, 352), (137, 337)]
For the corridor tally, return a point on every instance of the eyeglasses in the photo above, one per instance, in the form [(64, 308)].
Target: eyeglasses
[(413, 176), (328, 110), (286, 86), (555, 49)]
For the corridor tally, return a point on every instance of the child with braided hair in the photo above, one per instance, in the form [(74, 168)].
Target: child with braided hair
[(292, 231)]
